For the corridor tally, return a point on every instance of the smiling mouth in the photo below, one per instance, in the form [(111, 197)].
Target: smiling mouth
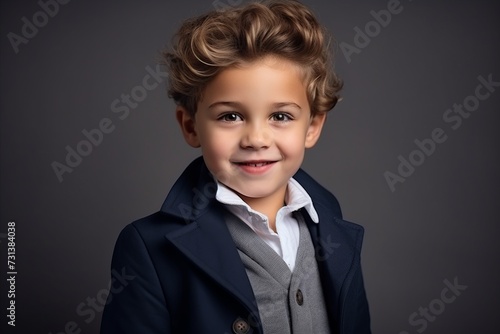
[(254, 163)]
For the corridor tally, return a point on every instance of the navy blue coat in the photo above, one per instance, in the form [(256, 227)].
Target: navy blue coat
[(183, 273)]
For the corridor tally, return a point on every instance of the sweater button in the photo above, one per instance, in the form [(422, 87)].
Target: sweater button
[(240, 326), (299, 297)]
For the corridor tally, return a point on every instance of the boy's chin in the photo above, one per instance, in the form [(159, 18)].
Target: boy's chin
[(253, 194)]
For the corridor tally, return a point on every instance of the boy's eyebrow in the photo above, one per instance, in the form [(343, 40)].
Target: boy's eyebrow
[(240, 105), (286, 104), (225, 103)]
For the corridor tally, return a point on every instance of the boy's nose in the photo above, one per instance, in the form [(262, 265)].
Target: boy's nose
[(256, 136)]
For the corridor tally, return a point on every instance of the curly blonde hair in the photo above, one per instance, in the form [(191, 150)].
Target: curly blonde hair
[(206, 45)]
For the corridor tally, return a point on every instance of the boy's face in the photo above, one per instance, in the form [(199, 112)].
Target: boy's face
[(253, 125)]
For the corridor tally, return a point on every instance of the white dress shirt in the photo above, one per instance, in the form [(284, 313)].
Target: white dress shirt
[(286, 241)]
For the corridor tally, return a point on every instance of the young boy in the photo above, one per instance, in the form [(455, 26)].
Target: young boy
[(246, 242)]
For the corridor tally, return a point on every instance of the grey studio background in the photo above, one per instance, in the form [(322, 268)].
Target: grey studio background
[(433, 225)]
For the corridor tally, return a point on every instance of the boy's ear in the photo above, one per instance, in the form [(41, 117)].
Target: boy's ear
[(187, 124), (314, 130)]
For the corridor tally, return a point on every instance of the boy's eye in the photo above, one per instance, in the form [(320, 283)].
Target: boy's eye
[(230, 117), (281, 117)]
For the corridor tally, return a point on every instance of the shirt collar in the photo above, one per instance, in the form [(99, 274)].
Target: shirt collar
[(296, 198)]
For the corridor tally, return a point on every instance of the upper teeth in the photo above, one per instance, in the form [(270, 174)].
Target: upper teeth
[(260, 164)]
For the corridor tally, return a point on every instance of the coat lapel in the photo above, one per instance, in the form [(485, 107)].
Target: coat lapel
[(203, 236), (207, 243)]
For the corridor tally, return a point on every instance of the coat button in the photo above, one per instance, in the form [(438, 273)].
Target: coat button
[(299, 297), (240, 326)]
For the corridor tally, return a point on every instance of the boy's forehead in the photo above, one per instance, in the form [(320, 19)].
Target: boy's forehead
[(270, 60), (275, 79), (237, 104)]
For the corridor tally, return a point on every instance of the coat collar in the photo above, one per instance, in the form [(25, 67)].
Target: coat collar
[(192, 194)]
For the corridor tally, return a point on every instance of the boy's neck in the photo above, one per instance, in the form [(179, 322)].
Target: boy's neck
[(268, 206)]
